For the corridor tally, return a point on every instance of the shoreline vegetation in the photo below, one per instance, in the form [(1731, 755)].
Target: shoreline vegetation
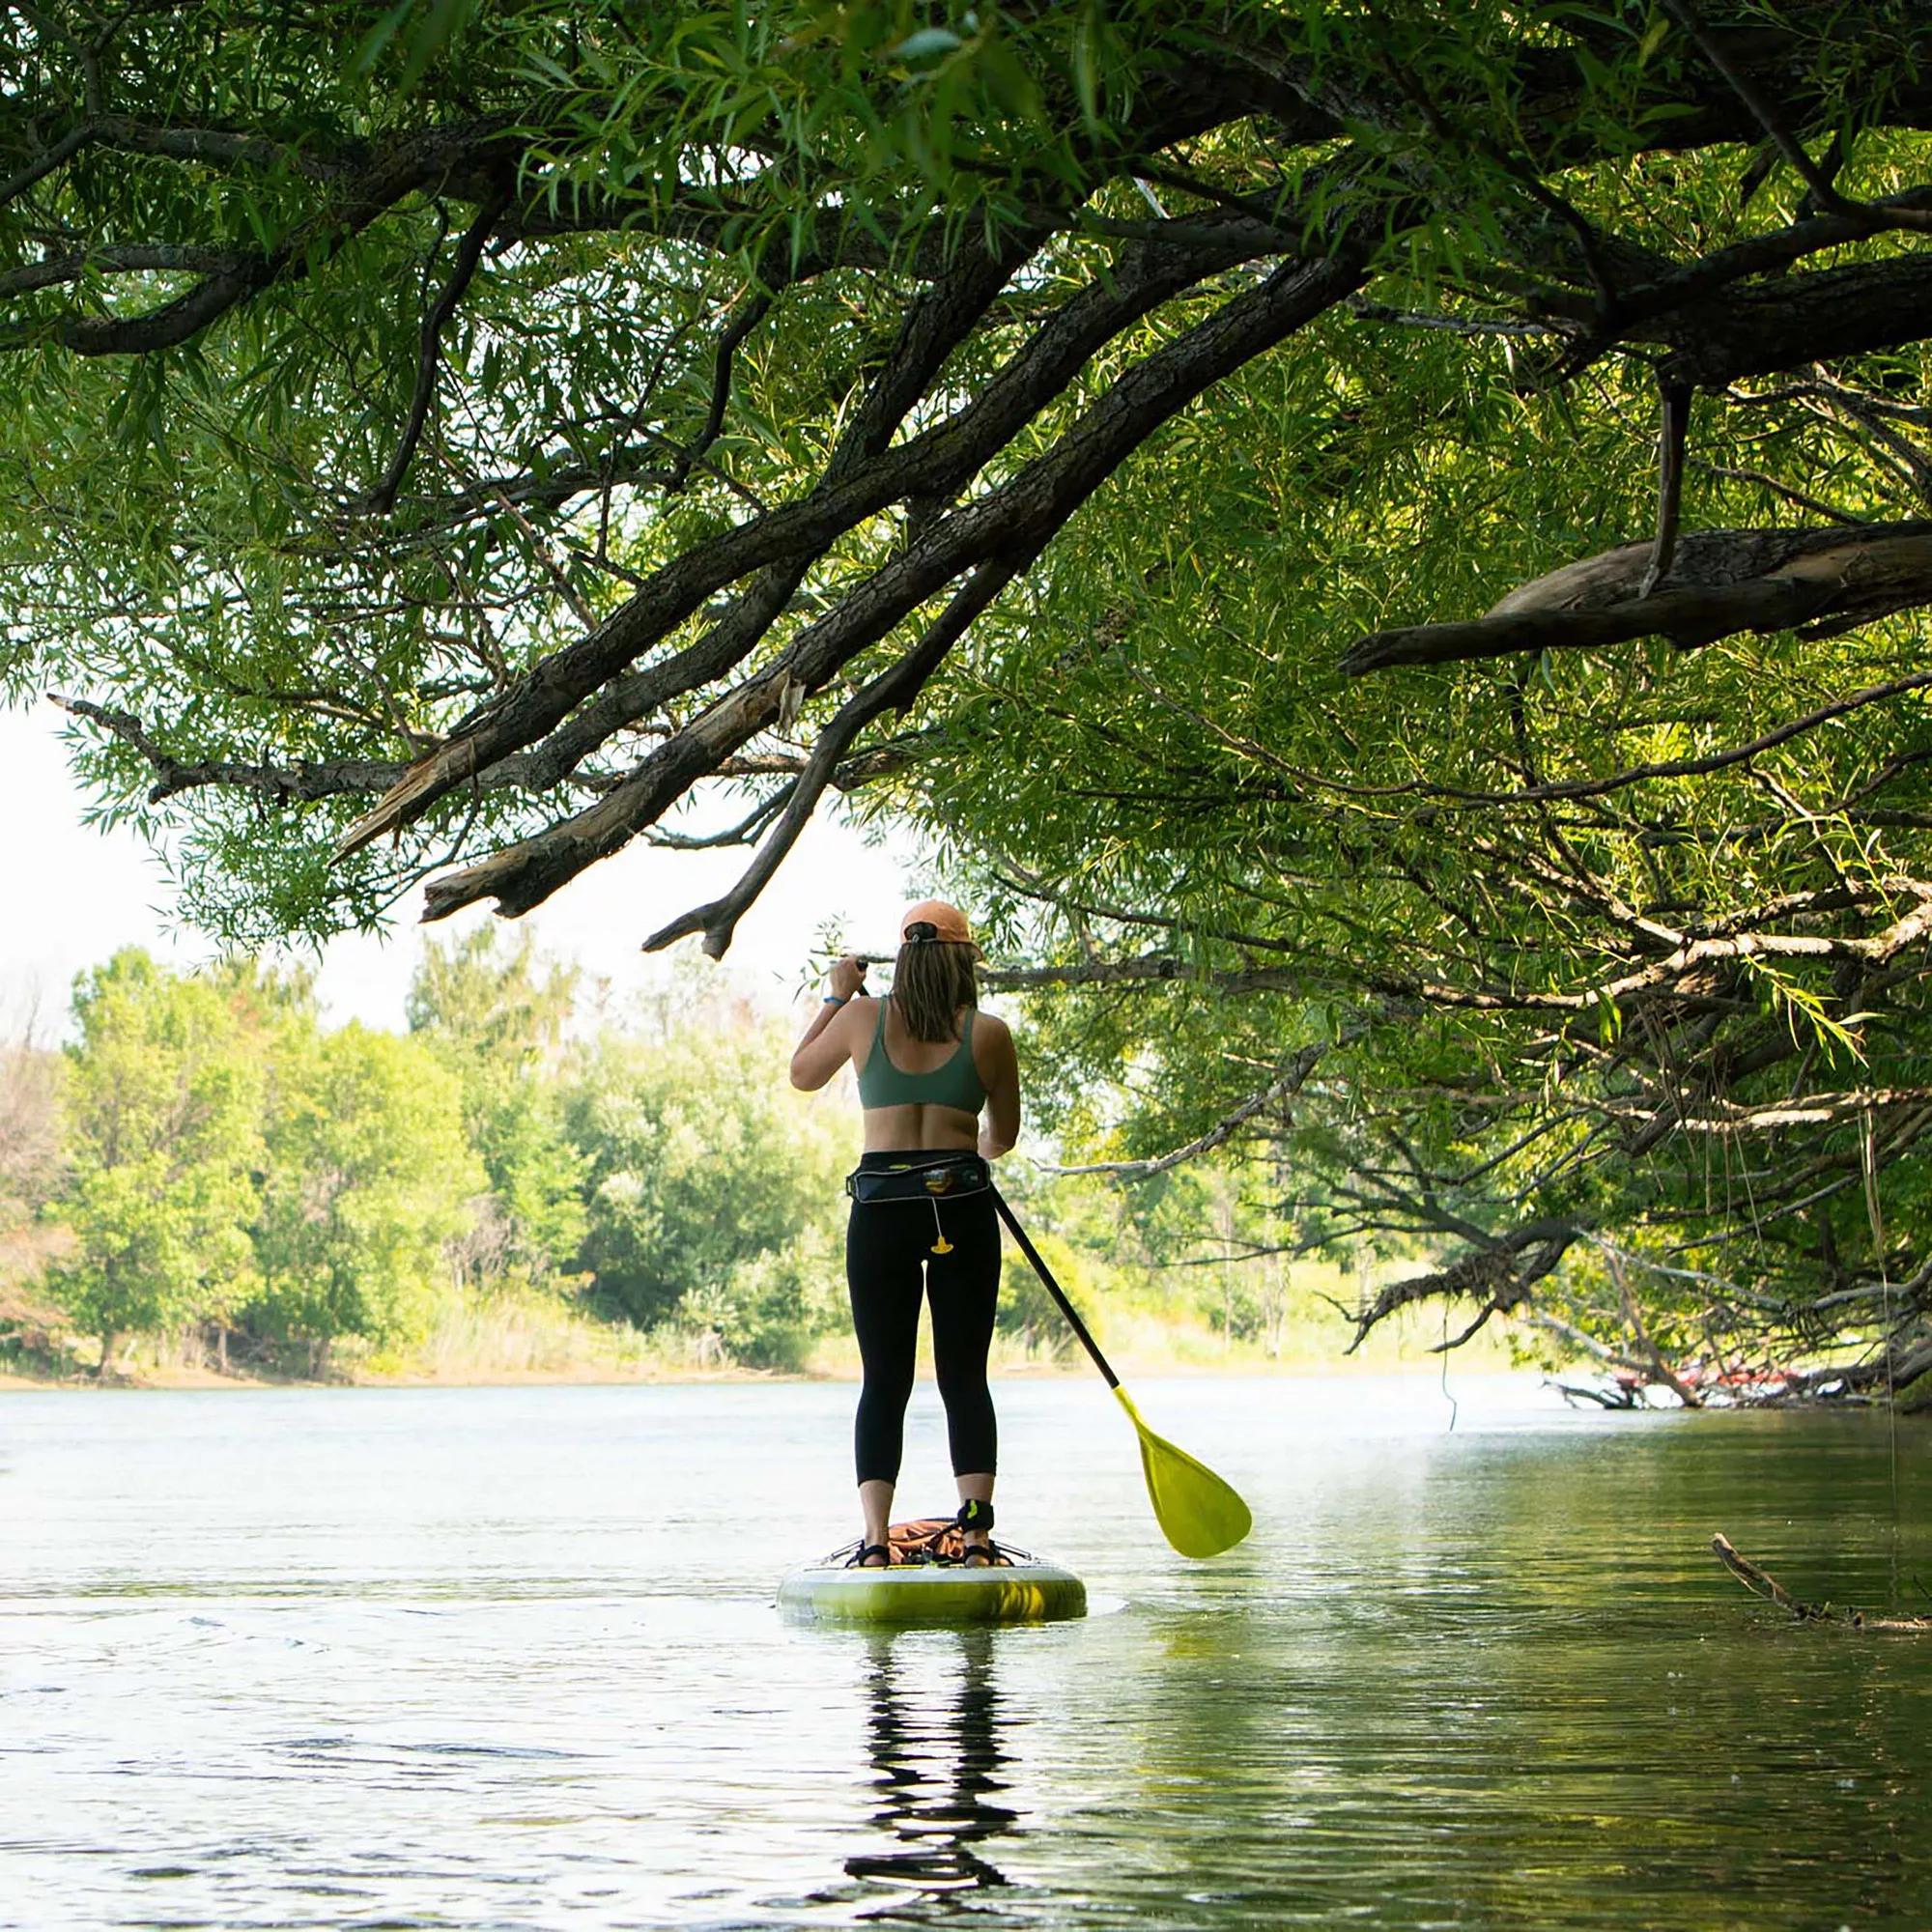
[(506, 1347), (206, 1187)]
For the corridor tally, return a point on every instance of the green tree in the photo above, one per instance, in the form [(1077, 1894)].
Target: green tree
[(1627, 949), (163, 1099), (369, 1179), (497, 1020), (446, 438), (715, 1197), (561, 406)]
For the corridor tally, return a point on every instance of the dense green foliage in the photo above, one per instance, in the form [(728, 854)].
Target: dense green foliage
[(368, 1178), (223, 1164), (449, 439), (165, 1103), (1520, 977), (711, 1188), (208, 1169), (499, 1023)]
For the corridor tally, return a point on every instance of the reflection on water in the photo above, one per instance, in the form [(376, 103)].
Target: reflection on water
[(508, 1662), (937, 1760)]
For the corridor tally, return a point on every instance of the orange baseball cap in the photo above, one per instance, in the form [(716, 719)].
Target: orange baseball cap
[(948, 921)]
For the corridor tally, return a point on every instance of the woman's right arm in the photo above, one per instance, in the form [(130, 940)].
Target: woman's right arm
[(1000, 1074), (826, 1044)]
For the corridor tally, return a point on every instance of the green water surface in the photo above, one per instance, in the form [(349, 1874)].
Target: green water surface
[(508, 1659)]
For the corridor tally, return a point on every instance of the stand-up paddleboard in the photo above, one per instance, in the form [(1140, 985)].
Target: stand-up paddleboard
[(925, 1583)]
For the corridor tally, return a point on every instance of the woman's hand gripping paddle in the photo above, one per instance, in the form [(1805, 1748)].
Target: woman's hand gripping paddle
[(1198, 1513)]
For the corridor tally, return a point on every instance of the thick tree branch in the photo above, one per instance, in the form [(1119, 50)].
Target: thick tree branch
[(1022, 512), (306, 780), (412, 164), (895, 688), (545, 695), (1670, 290), (1792, 321), (1824, 193), (1500, 1275), (861, 479), (1727, 580), (126, 259), (1150, 970), (50, 159), (310, 780)]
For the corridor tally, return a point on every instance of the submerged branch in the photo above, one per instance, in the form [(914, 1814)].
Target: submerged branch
[(1761, 1583)]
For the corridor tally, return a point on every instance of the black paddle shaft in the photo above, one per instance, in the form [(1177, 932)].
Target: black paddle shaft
[(1054, 1289)]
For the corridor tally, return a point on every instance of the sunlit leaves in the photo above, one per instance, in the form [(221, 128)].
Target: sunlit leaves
[(1156, 755), (712, 225)]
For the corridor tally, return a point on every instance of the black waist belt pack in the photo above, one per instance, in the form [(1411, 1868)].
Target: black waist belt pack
[(934, 1178)]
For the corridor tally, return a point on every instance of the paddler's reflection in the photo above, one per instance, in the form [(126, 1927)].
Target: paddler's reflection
[(937, 1754)]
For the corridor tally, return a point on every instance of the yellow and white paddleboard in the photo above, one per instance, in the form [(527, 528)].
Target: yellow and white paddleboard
[(1023, 1591)]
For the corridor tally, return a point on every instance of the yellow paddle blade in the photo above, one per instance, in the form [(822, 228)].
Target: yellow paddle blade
[(1198, 1513)]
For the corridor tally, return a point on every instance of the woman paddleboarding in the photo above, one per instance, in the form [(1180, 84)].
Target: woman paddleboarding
[(929, 1065)]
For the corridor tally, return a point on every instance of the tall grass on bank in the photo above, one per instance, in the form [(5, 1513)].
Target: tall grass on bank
[(528, 1335)]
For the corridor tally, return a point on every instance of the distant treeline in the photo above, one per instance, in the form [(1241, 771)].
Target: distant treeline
[(207, 1163)]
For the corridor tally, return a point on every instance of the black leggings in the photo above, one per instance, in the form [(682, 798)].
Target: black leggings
[(886, 1241)]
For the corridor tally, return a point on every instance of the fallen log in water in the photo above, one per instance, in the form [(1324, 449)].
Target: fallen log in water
[(1767, 1586)]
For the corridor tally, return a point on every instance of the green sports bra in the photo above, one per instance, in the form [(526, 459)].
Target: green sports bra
[(952, 1083)]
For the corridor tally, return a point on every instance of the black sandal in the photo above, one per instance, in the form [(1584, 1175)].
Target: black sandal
[(976, 1514), (866, 1549)]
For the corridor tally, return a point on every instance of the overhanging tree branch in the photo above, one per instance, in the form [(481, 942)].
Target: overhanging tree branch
[(892, 689), (413, 164), (1824, 191), (861, 479), (1501, 1277), (1025, 511), (1751, 581)]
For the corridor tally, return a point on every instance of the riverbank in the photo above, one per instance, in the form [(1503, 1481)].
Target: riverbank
[(552, 1347)]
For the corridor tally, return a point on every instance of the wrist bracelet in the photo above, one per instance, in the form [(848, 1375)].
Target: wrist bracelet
[(832, 1000)]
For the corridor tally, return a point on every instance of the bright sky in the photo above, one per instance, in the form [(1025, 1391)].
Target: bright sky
[(69, 895)]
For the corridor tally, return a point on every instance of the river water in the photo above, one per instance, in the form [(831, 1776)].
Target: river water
[(508, 1659)]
